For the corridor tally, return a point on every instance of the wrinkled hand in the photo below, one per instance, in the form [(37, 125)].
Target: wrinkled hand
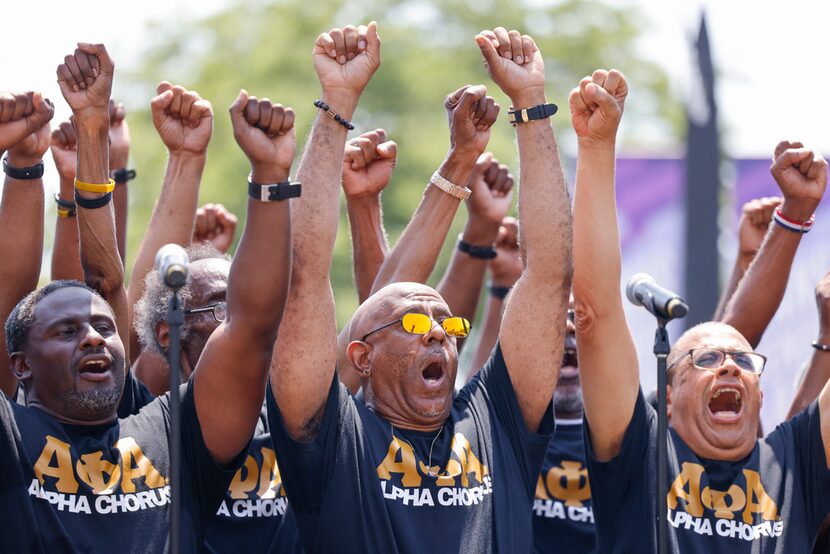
[(515, 64), (65, 151), (754, 223), (368, 163), (801, 175), (23, 117), (183, 119), (471, 113), (85, 78), (265, 132), (507, 266), (597, 106), (345, 59), (119, 136), (214, 225), (492, 190)]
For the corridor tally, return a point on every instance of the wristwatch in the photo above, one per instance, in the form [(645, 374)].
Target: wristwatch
[(524, 115)]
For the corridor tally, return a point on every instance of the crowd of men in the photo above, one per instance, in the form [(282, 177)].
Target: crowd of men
[(297, 438)]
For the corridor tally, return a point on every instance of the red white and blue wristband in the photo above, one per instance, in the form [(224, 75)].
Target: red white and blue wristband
[(791, 224)]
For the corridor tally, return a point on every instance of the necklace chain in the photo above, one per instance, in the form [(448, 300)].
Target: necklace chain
[(429, 461)]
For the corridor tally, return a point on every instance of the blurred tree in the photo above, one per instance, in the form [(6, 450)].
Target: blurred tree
[(428, 51)]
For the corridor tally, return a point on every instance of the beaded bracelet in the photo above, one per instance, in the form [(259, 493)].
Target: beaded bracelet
[(334, 115)]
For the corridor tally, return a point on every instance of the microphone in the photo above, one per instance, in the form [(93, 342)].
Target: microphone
[(171, 263), (643, 290)]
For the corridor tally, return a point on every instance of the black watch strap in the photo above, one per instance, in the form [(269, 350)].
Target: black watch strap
[(481, 252), (524, 115), (121, 176), (22, 173), (274, 192)]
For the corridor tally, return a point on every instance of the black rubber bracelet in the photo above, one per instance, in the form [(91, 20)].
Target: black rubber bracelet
[(481, 252), (499, 292), (276, 192), (92, 203), (121, 176), (66, 208), (820, 346), (22, 173)]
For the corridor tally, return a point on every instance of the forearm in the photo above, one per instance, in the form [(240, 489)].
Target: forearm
[(461, 284), (66, 256), (814, 380), (488, 334), (415, 254), (760, 291), (369, 245), (738, 271), (120, 202)]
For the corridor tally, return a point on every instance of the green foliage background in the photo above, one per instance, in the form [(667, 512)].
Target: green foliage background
[(427, 51)]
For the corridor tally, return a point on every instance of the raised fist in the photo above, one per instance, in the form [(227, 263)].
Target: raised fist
[(85, 78), (23, 118), (507, 266), (265, 133), (492, 190), (471, 113), (65, 151), (597, 105), (119, 136), (183, 120), (368, 162), (801, 175), (754, 223), (345, 59), (514, 63), (214, 225)]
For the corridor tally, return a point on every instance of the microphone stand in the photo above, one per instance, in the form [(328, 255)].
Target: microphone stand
[(661, 350), (175, 319)]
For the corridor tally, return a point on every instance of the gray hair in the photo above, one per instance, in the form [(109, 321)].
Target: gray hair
[(151, 309)]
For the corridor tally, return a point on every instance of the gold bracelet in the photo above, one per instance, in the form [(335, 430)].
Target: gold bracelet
[(91, 187)]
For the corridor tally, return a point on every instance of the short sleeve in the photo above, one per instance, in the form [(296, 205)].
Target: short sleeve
[(204, 483), (611, 479), (812, 461), (528, 447), (307, 468)]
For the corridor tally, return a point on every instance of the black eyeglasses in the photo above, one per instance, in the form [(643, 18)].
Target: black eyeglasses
[(219, 311), (712, 359)]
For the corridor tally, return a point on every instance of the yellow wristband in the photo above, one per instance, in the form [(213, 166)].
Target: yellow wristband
[(90, 187)]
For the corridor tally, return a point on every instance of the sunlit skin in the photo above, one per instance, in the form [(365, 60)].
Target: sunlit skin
[(208, 283), (73, 358), (732, 435), (409, 378)]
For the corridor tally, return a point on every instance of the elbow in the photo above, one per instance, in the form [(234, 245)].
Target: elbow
[(105, 283)]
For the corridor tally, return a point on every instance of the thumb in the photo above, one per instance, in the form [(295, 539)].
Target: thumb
[(237, 109), (607, 104), (43, 110), (488, 50), (159, 104), (373, 40)]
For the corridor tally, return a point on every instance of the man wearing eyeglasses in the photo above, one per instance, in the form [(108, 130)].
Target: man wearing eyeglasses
[(418, 468), (728, 492)]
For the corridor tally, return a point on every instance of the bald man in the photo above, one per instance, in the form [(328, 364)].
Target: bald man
[(418, 468), (728, 491)]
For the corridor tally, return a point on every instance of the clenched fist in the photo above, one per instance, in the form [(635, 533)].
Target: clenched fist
[(24, 121), (801, 174), (597, 106), (345, 59), (515, 64), (216, 226), (85, 79), (265, 133), (183, 119), (471, 113), (492, 185), (368, 162)]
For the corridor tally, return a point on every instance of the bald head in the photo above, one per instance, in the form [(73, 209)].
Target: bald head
[(700, 336), (376, 310)]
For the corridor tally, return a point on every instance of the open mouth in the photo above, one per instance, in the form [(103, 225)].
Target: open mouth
[(95, 368), (726, 403), (433, 372), (569, 358)]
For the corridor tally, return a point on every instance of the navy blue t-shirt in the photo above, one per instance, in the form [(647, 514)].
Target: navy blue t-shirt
[(104, 488), (363, 486), (772, 501), (563, 521)]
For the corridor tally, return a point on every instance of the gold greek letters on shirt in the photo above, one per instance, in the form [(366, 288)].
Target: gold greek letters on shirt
[(567, 482), (400, 460)]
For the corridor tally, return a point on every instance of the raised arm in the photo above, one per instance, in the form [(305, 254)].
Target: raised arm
[(85, 79), (492, 185), (344, 59), (505, 270), (214, 225), (229, 380), (756, 218), (66, 257), (608, 364), (532, 333), (24, 131), (119, 136), (184, 121), (801, 174), (471, 114), (818, 372)]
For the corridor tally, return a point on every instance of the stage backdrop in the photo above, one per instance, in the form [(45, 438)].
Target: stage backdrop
[(652, 230)]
